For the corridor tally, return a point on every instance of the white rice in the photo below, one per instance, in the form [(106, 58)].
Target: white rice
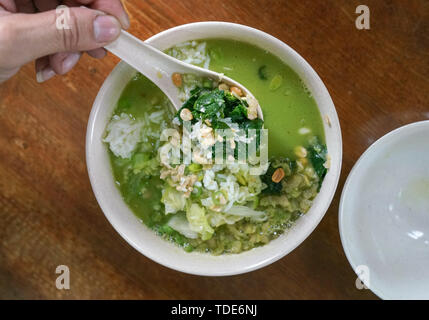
[(192, 52), (123, 135), (156, 117), (195, 53)]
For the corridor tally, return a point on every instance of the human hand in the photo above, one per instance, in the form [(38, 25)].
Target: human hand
[(29, 31)]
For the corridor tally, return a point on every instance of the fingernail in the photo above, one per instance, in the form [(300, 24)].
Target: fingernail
[(106, 29), (45, 74), (125, 21), (70, 61)]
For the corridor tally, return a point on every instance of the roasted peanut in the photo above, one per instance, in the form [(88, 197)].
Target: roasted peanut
[(186, 115), (278, 175), (224, 87), (177, 79), (236, 91)]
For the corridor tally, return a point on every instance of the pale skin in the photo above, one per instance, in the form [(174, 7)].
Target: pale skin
[(29, 31)]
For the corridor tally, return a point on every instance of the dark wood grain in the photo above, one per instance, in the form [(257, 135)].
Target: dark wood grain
[(378, 80)]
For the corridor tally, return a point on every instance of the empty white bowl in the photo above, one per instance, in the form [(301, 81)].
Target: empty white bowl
[(144, 239), (384, 214)]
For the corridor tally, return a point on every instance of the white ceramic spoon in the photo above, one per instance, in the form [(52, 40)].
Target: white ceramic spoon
[(159, 67)]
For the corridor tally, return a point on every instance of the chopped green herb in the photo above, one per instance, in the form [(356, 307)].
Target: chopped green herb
[(276, 82), (272, 187), (317, 153), (214, 105), (194, 167), (262, 73)]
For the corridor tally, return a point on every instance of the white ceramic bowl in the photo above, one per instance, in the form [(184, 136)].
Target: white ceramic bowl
[(145, 240), (384, 214)]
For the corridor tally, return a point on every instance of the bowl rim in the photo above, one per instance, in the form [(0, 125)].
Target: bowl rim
[(388, 137), (305, 66)]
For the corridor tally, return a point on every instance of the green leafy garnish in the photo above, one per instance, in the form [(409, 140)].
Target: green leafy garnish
[(262, 73), (317, 153), (215, 105), (238, 113), (272, 187), (209, 105), (252, 124)]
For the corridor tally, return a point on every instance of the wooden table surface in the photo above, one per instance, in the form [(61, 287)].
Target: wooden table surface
[(378, 79)]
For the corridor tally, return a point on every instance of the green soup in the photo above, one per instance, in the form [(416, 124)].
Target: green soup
[(287, 105), (290, 115)]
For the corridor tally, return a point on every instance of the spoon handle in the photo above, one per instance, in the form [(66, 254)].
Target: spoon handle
[(157, 66)]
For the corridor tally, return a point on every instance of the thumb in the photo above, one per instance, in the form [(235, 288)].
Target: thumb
[(25, 37)]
